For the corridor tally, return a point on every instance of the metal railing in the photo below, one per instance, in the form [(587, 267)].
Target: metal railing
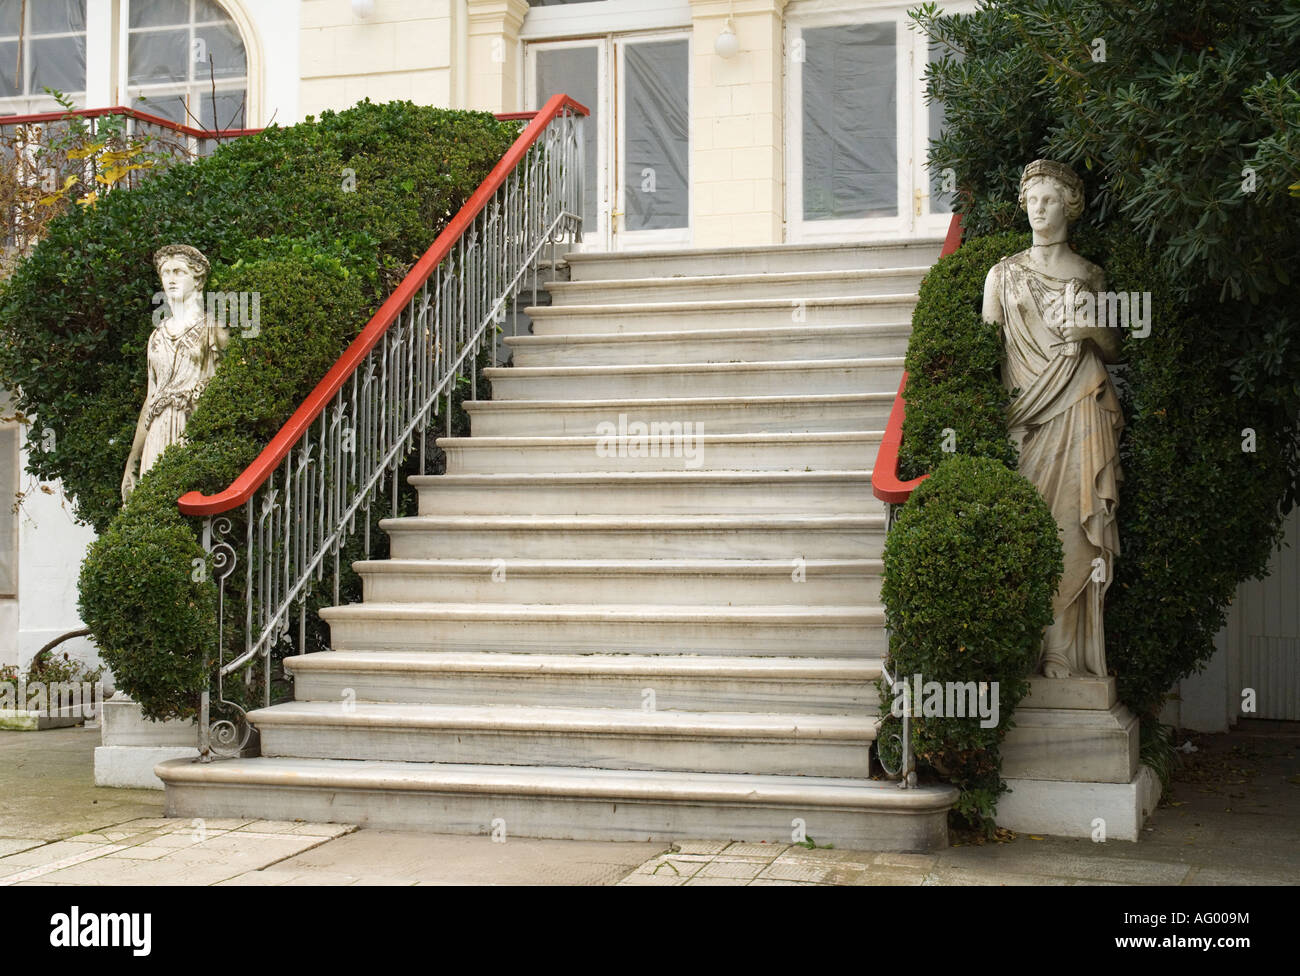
[(293, 509)]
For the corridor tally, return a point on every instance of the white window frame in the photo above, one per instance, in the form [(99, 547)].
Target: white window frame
[(911, 49), (39, 101), (131, 93)]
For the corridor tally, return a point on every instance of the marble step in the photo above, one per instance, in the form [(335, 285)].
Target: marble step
[(744, 536), (783, 631), (747, 345), (598, 738), (682, 582), (672, 682), (563, 802), (666, 493), (769, 259), (637, 446), (719, 415), (702, 287), (785, 378), (735, 313)]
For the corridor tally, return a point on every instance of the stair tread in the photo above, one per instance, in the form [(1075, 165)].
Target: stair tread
[(749, 335), (580, 440), (917, 243), (578, 522), (666, 567), (679, 402), (651, 368), (611, 611), (504, 662), (527, 718), (721, 304), (640, 477), (561, 781), (743, 278)]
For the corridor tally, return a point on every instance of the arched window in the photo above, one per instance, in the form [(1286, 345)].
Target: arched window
[(42, 45), (186, 60)]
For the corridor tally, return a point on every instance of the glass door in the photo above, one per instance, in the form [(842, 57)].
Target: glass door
[(858, 130), (637, 138), (653, 148), (579, 69)]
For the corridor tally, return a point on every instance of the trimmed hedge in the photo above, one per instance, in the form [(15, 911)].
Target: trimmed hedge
[(953, 363), (319, 220), (367, 189), (971, 565)]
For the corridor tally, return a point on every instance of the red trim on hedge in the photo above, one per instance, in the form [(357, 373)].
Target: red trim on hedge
[(884, 475)]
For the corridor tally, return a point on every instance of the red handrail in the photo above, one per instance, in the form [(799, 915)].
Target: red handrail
[(242, 488), (884, 475), (93, 113)]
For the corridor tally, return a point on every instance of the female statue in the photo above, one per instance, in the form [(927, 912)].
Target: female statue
[(183, 353), (1064, 415)]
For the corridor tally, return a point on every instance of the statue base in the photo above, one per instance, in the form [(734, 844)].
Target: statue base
[(132, 745), (1072, 763)]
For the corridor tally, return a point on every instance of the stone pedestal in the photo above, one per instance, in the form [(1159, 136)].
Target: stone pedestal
[(132, 745), (1072, 763)]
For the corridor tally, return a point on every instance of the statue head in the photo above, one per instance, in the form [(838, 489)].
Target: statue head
[(1050, 186), (183, 270)]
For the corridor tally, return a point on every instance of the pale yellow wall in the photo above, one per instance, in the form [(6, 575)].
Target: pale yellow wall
[(402, 51), (737, 163), (494, 57)]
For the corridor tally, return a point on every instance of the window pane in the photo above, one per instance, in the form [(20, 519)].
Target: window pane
[(10, 17), (57, 16), (850, 137), (656, 171), (168, 106), (222, 43), (207, 10), (9, 69), (940, 202), (157, 57), (159, 13), (58, 63), (572, 71), (230, 114)]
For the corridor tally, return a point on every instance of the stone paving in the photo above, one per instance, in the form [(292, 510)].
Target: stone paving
[(1231, 818)]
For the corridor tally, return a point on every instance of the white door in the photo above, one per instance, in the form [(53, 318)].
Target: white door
[(858, 129), (637, 193)]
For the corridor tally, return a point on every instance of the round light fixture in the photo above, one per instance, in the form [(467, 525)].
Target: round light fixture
[(727, 43), (362, 9)]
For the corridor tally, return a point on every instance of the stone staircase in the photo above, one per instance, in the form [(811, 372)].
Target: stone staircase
[(586, 642)]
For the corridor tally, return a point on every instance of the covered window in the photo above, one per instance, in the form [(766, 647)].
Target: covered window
[(42, 45), (186, 60)]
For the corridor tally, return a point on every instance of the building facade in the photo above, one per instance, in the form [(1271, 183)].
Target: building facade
[(714, 123)]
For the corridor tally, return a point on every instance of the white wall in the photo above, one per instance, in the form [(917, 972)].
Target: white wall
[(51, 546)]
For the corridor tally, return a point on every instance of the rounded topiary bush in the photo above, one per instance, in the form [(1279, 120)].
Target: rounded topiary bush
[(971, 565)]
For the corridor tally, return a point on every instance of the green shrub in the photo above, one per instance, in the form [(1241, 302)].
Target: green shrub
[(953, 363), (971, 565), (75, 318), (1165, 135), (278, 215)]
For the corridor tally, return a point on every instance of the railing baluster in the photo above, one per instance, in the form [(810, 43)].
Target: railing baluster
[(307, 505)]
